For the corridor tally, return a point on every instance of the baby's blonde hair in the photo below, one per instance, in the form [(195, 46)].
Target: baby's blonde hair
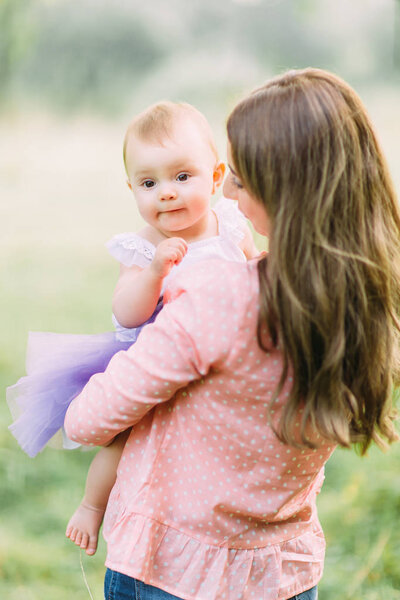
[(156, 123)]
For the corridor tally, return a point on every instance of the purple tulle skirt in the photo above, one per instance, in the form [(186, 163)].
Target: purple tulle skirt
[(58, 366)]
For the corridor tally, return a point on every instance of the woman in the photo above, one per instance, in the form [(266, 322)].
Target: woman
[(253, 373)]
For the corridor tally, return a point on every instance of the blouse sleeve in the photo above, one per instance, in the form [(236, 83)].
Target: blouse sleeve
[(186, 340), (131, 249), (231, 220)]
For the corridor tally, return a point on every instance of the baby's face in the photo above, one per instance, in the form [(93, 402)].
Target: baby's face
[(172, 180)]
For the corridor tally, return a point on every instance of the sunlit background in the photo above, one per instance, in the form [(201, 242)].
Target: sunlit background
[(72, 75)]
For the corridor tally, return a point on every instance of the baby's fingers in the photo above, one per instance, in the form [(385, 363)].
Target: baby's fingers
[(173, 256), (179, 254), (169, 252), (180, 244)]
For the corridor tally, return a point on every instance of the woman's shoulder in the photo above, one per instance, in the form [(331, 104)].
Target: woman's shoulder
[(214, 278)]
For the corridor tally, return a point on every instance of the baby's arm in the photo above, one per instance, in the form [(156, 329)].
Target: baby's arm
[(83, 527), (138, 290)]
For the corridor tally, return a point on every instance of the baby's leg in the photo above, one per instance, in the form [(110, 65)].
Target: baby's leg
[(83, 527)]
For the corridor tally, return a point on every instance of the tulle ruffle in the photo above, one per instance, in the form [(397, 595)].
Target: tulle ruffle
[(58, 366)]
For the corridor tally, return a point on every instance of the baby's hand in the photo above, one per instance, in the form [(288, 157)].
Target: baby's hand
[(169, 252)]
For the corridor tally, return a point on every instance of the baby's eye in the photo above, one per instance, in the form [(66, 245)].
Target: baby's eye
[(148, 183), (183, 177)]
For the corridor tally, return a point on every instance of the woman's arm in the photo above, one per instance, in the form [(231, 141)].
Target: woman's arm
[(182, 344), (138, 290)]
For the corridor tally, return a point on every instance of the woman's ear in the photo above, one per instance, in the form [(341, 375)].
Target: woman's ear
[(218, 176)]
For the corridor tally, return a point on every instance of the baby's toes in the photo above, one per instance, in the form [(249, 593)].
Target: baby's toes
[(71, 533), (84, 540), (78, 538), (92, 547)]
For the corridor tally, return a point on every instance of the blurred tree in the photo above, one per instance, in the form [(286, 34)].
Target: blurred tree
[(396, 45), (16, 38), (87, 57), (97, 54), (279, 34)]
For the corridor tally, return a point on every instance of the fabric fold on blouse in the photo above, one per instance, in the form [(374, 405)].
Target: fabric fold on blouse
[(163, 556)]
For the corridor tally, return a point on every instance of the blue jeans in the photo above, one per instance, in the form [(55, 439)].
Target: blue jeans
[(118, 586)]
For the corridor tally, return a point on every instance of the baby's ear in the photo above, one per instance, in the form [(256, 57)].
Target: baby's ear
[(218, 175)]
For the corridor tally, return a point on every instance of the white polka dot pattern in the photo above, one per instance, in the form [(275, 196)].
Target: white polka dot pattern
[(208, 503)]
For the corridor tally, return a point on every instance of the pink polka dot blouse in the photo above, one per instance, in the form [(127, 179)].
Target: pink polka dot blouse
[(208, 503)]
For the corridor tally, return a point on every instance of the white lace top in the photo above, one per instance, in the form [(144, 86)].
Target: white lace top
[(131, 249)]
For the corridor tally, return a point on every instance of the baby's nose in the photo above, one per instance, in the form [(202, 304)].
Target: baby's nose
[(167, 192)]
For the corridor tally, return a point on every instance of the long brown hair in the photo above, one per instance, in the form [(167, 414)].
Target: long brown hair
[(303, 146)]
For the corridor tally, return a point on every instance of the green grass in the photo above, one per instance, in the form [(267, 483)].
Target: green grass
[(360, 509), (37, 496)]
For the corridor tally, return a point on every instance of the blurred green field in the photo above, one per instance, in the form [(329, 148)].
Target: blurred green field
[(63, 195)]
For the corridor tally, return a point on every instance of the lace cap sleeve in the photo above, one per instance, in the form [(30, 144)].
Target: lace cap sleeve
[(131, 249), (231, 221)]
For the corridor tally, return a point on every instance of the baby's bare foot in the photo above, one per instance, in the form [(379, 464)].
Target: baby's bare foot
[(83, 527)]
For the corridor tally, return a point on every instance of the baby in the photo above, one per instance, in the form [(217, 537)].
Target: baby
[(173, 170)]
